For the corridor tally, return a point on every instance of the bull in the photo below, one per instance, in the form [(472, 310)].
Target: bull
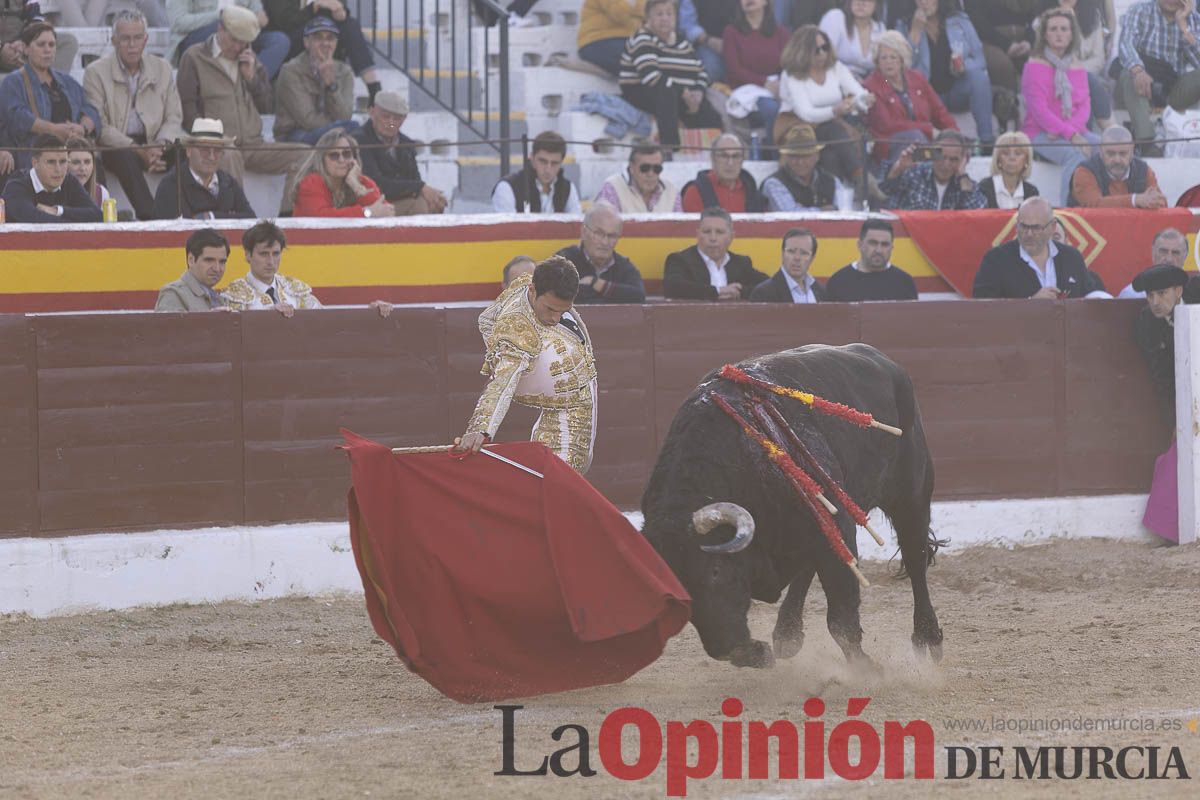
[(731, 527)]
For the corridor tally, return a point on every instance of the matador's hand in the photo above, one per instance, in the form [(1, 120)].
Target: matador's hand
[(469, 443)]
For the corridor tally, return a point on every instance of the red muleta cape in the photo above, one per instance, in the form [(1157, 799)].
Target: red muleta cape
[(491, 583)]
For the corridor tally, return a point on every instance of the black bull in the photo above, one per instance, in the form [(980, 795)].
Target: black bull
[(708, 459)]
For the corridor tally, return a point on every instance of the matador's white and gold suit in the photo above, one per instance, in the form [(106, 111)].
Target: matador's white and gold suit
[(549, 368)]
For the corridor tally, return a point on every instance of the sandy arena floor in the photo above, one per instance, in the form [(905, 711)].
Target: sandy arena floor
[(298, 699)]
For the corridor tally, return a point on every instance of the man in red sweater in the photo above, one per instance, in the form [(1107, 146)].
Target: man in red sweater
[(1115, 178), (726, 185)]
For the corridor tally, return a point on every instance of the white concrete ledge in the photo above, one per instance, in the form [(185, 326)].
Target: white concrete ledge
[(49, 577)]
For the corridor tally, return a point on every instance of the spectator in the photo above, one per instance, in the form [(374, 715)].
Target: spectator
[(263, 286), (853, 31), (948, 52), (47, 192), (195, 21), (1057, 103), (1159, 62), (604, 27), (661, 75), (872, 276), (793, 283), (138, 104), (389, 158), (1006, 27), (1154, 329), (518, 266), (907, 110), (332, 183), (207, 253), (726, 185), (1115, 178), (39, 99), (1170, 246), (605, 276), (799, 184), (707, 270), (819, 90), (1094, 21), (642, 189), (753, 46), (939, 184), (703, 23), (290, 17), (196, 188), (221, 78), (316, 91), (14, 16), (81, 161), (1032, 265), (540, 187), (1012, 161)]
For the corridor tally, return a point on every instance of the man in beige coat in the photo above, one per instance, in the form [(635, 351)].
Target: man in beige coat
[(207, 253), (138, 105), (315, 91), (221, 78)]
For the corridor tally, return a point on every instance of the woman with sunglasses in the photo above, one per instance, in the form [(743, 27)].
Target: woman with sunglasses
[(332, 183)]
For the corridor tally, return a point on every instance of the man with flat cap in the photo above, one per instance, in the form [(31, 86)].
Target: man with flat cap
[(1154, 328)]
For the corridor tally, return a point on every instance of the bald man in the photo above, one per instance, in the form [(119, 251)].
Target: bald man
[(605, 276), (1033, 265), (1115, 177), (726, 185)]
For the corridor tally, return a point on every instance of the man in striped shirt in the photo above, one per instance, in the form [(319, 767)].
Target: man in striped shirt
[(1160, 43)]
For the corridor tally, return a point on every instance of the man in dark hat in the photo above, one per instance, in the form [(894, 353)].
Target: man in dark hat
[(1154, 328)]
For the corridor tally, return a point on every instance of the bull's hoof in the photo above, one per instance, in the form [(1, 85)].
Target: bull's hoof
[(788, 645), (928, 644), (753, 654)]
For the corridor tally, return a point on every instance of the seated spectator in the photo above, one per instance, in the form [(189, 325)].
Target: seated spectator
[(290, 17), (315, 90), (819, 90), (540, 187), (81, 161), (332, 183), (263, 286), (1057, 103), (390, 159), (1092, 16), (1006, 27), (726, 185), (941, 184), (1032, 265), (39, 99), (221, 78), (604, 27), (605, 276), (703, 23), (853, 31), (872, 276), (207, 253), (799, 184), (1115, 178), (752, 50), (793, 283), (518, 266), (948, 52), (135, 95), (195, 21), (1154, 329), (1170, 246), (661, 75), (907, 110), (707, 270), (47, 192), (642, 188), (1012, 161), (195, 188), (1159, 62)]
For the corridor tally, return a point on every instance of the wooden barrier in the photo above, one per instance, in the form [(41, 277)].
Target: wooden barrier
[(139, 421)]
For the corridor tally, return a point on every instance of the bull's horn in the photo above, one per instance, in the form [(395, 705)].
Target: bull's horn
[(716, 514)]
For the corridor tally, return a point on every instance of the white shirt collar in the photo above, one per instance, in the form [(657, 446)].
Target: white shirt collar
[(1004, 198), (37, 182), (800, 294), (859, 268), (1050, 276), (259, 285), (716, 272), (212, 188)]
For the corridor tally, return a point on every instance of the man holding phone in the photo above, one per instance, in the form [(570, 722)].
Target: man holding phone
[(1032, 265), (941, 183)]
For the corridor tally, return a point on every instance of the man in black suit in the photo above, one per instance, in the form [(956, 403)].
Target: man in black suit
[(792, 283), (46, 192), (206, 192), (707, 270), (1032, 266)]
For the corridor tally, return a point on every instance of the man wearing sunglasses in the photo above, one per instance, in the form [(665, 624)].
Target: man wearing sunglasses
[(195, 188), (642, 189), (1032, 265)]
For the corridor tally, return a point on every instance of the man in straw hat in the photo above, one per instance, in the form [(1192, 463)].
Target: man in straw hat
[(195, 188), (539, 354), (222, 79), (799, 184)]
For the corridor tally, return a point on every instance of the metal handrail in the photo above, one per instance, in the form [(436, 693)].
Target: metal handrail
[(428, 77)]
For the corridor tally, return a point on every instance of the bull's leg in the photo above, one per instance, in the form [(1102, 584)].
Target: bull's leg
[(842, 597), (912, 530), (789, 624)]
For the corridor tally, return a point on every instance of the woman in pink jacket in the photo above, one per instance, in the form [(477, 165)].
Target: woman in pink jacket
[(1057, 103)]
